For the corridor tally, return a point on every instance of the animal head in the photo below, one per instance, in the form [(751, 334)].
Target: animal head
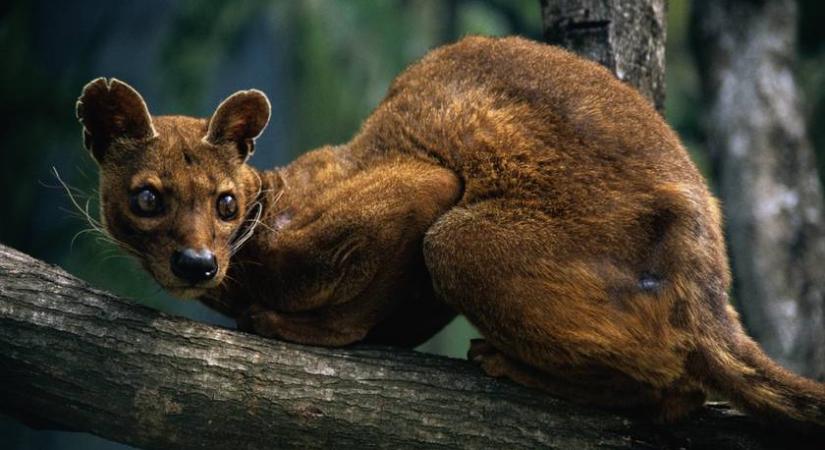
[(175, 191)]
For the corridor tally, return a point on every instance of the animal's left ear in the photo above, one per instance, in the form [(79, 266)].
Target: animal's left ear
[(239, 119)]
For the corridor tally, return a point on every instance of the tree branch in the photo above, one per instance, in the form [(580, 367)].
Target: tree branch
[(76, 357)]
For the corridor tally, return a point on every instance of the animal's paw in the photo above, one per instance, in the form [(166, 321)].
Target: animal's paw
[(492, 362), (479, 348), (259, 321)]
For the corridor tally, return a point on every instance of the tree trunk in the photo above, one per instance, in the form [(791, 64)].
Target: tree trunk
[(627, 37), (766, 174), (77, 358)]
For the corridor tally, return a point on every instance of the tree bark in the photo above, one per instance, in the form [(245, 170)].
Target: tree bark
[(77, 358), (627, 37), (766, 174)]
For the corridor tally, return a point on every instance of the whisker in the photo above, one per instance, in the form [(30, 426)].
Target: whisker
[(248, 227), (274, 203), (72, 213), (82, 172), (114, 257), (230, 278), (257, 219), (278, 197), (249, 262), (83, 213), (78, 234), (75, 191), (268, 228), (237, 244)]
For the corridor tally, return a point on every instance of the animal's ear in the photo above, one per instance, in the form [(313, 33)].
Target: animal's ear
[(109, 110), (239, 119)]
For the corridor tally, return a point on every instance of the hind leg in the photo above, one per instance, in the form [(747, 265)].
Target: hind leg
[(560, 318), (594, 386)]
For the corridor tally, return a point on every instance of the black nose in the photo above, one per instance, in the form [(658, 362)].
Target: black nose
[(193, 265)]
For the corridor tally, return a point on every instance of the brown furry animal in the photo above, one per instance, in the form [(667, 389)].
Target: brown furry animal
[(502, 179)]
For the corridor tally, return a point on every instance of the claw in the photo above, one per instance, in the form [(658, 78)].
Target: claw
[(479, 349)]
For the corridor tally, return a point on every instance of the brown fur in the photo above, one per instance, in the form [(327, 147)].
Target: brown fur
[(502, 179)]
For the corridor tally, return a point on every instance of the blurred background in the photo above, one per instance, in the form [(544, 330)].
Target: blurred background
[(323, 64)]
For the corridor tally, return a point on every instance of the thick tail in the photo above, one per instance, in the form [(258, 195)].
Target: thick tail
[(732, 364), (740, 370)]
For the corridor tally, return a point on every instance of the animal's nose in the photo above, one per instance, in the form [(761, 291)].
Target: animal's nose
[(193, 265)]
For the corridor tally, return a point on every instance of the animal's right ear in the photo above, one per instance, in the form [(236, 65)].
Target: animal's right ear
[(109, 110)]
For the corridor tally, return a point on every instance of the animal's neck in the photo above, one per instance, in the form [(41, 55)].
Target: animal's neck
[(298, 184)]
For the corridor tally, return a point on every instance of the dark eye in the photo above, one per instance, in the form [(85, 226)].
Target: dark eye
[(227, 207), (146, 202)]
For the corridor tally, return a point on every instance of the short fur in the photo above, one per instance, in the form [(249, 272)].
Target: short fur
[(502, 179)]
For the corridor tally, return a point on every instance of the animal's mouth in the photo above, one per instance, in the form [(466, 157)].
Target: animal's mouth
[(186, 291), (183, 290)]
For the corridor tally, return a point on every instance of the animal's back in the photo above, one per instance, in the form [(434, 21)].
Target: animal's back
[(517, 118), (531, 123)]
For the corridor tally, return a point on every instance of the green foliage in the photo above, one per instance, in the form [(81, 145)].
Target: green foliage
[(202, 32)]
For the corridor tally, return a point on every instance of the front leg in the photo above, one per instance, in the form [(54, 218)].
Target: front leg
[(347, 257), (323, 328)]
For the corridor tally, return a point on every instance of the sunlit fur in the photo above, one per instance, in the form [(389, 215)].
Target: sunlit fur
[(506, 180)]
